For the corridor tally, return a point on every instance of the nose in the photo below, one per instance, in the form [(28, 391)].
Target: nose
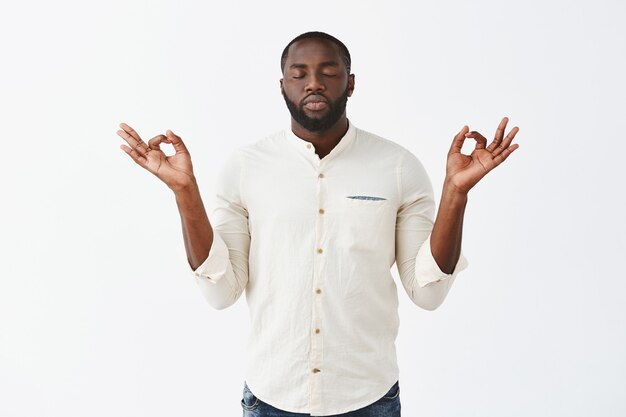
[(314, 83)]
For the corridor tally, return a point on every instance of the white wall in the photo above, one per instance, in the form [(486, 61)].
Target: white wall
[(99, 315)]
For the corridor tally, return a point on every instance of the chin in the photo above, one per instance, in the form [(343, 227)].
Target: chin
[(316, 114)]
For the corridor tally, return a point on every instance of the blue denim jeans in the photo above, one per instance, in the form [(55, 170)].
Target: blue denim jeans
[(387, 406)]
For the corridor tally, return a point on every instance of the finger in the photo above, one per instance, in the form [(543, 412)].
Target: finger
[(133, 142), (457, 142), (140, 160), (505, 154), (155, 141), (481, 141), (133, 138), (131, 131), (506, 142), (499, 134), (176, 141)]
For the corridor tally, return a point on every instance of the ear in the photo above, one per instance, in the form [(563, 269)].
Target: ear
[(350, 84), (281, 86)]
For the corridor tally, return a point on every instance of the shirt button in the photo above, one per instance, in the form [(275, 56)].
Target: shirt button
[(317, 330), (320, 250), (319, 291), (320, 175), (321, 211), (315, 370), (308, 146)]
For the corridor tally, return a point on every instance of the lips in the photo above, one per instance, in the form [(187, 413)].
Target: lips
[(315, 102)]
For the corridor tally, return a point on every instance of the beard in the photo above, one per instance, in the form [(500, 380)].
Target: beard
[(321, 124)]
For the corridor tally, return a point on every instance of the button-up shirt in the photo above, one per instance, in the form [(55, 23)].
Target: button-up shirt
[(312, 242)]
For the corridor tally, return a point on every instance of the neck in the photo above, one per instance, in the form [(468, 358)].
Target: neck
[(325, 141)]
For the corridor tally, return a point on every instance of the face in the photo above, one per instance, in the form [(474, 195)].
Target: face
[(315, 84)]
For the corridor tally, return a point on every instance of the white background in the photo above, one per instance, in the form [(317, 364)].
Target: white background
[(99, 315)]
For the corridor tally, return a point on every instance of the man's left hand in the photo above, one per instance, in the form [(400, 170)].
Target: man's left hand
[(464, 171)]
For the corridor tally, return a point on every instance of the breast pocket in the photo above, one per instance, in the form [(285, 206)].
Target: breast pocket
[(368, 222)]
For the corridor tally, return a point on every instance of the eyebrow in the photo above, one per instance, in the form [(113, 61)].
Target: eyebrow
[(323, 64)]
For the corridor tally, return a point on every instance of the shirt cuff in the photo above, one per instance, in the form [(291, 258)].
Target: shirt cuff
[(216, 264), (427, 270)]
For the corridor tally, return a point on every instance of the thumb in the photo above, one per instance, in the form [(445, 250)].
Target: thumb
[(177, 142), (457, 142)]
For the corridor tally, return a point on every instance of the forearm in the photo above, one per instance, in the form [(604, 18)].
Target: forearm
[(197, 231), (445, 240)]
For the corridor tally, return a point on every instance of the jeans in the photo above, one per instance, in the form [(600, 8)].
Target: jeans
[(387, 406)]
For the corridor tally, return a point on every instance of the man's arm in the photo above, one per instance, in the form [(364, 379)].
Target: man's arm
[(445, 240), (429, 256), (197, 230), (208, 255), (462, 173), (176, 171), (220, 265)]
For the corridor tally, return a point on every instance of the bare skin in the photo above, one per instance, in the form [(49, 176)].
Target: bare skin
[(462, 173), (315, 66), (176, 171)]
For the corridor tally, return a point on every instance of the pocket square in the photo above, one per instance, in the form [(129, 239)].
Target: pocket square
[(364, 197)]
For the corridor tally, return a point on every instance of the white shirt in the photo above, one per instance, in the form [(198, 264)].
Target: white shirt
[(312, 241)]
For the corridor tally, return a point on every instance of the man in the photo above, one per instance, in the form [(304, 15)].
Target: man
[(309, 222)]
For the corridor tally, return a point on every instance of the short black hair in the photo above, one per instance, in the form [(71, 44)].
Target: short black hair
[(345, 54)]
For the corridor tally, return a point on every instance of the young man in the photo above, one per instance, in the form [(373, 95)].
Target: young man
[(309, 221)]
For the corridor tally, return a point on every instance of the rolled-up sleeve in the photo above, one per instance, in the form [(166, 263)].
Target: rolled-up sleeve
[(421, 277), (216, 265), (223, 276), (427, 270)]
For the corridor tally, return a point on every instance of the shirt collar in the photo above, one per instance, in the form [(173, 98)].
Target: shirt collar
[(308, 149)]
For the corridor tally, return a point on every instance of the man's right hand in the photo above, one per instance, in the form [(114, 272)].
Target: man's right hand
[(176, 171)]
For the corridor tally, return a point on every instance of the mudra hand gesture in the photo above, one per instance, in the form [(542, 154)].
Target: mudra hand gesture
[(464, 171), (176, 171)]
